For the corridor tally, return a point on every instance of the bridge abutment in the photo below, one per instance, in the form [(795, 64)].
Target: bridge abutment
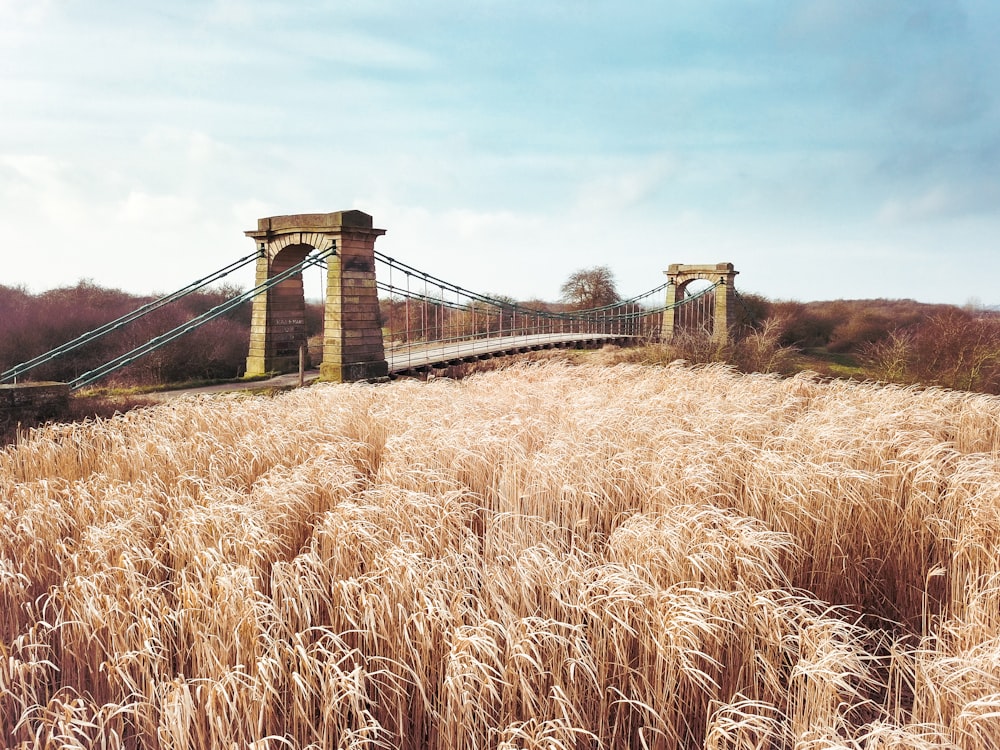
[(33, 402), (352, 337), (679, 275)]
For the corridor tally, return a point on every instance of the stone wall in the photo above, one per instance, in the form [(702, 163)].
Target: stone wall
[(33, 402)]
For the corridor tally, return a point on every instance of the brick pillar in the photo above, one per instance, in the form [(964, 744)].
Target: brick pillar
[(258, 361), (278, 320), (667, 327), (352, 340), (679, 274), (725, 303), (352, 345)]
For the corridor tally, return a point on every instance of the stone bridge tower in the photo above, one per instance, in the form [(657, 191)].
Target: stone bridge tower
[(680, 275), (352, 333)]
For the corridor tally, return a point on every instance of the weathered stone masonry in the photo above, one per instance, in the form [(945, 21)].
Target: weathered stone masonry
[(679, 275), (31, 402), (352, 340)]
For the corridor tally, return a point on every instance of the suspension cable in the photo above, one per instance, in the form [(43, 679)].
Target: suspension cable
[(162, 340), (388, 260), (746, 308), (18, 370), (625, 315)]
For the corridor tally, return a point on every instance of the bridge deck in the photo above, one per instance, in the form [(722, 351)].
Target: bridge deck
[(458, 351)]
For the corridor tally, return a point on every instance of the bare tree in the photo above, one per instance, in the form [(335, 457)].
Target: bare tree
[(590, 287), (959, 350), (891, 358)]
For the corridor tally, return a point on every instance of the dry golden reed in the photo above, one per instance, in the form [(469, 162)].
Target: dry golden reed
[(546, 556)]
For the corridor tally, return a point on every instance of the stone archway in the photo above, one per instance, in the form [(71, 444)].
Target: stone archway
[(679, 275), (352, 335)]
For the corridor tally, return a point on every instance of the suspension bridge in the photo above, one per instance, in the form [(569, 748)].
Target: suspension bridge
[(385, 318)]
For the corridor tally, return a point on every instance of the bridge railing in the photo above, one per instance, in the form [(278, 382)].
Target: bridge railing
[(421, 311)]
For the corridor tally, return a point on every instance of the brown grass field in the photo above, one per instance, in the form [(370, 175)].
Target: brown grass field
[(548, 556)]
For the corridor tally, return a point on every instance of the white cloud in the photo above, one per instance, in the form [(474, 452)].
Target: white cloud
[(241, 13), (15, 13), (153, 212), (34, 169), (942, 201), (41, 190), (947, 93), (363, 50), (622, 186)]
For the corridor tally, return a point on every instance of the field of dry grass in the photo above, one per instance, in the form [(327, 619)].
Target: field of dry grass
[(550, 556)]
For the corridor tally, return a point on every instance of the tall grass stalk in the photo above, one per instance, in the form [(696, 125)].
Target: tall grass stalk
[(546, 556)]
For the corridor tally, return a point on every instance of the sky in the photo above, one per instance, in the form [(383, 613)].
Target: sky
[(828, 148)]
